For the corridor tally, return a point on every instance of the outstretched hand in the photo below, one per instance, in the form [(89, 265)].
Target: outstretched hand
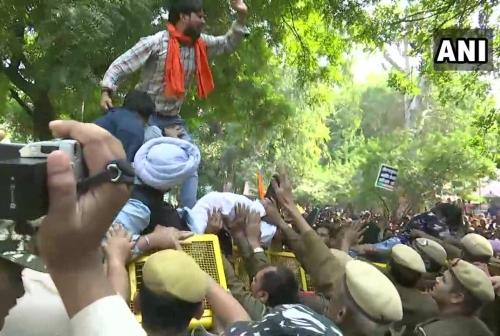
[(238, 224), (214, 223), (253, 228), (272, 212), (353, 235), (283, 189)]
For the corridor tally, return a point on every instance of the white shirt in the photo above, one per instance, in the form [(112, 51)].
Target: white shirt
[(39, 304), (41, 312), (109, 316), (198, 216)]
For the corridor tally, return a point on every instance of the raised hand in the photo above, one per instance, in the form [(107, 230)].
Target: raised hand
[(353, 234), (272, 212), (239, 6), (238, 224), (214, 223), (253, 228), (283, 189)]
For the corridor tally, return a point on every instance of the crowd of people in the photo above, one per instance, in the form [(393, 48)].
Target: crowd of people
[(432, 275)]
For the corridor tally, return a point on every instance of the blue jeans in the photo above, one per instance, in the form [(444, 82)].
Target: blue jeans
[(189, 189)]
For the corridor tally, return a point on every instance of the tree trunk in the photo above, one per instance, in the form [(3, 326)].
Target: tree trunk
[(43, 114)]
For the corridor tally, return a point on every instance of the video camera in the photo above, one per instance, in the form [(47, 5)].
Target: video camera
[(23, 176)]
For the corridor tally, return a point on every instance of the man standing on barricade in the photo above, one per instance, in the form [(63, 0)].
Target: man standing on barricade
[(170, 60)]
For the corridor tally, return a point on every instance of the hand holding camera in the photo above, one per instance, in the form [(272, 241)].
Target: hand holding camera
[(83, 220)]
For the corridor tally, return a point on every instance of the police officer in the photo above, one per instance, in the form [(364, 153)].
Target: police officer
[(460, 293)]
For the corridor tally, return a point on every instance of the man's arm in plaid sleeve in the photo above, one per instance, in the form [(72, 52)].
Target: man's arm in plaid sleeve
[(131, 60), (226, 43)]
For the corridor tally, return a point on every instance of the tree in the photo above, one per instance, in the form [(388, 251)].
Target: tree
[(54, 52)]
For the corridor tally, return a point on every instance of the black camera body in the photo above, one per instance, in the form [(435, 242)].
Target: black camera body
[(23, 176)]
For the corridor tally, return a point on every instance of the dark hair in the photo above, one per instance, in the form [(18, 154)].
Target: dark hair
[(139, 102), (281, 285), (471, 304), (452, 213), (178, 7), (165, 312), (403, 275), (433, 266)]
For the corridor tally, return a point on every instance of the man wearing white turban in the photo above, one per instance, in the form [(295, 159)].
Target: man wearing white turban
[(160, 164)]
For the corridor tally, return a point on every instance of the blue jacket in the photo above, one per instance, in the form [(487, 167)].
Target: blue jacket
[(127, 126)]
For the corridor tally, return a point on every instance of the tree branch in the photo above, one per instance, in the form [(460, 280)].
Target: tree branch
[(416, 16), (15, 77), (22, 103)]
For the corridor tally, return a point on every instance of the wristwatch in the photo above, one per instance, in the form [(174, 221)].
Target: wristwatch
[(258, 249)]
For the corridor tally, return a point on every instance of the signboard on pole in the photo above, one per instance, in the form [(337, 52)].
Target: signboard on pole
[(386, 178)]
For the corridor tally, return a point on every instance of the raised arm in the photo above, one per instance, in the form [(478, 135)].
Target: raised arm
[(293, 239), (245, 231), (227, 43), (324, 268)]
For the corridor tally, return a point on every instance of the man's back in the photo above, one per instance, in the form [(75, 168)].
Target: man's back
[(127, 126)]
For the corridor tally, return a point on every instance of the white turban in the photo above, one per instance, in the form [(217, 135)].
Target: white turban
[(165, 162)]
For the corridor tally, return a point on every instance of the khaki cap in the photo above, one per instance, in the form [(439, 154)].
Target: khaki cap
[(373, 292), (406, 256), (341, 256), (176, 273), (473, 279), (432, 249), (477, 246)]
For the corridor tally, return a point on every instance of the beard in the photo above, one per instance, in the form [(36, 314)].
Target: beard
[(192, 33)]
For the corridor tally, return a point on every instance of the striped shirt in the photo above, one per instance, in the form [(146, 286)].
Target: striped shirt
[(150, 53)]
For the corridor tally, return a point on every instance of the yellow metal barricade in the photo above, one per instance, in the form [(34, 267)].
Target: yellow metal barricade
[(205, 250)]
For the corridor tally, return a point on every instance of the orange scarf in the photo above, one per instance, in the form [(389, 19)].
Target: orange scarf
[(260, 186), (174, 72)]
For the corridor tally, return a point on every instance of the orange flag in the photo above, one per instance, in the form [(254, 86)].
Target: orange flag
[(260, 186)]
